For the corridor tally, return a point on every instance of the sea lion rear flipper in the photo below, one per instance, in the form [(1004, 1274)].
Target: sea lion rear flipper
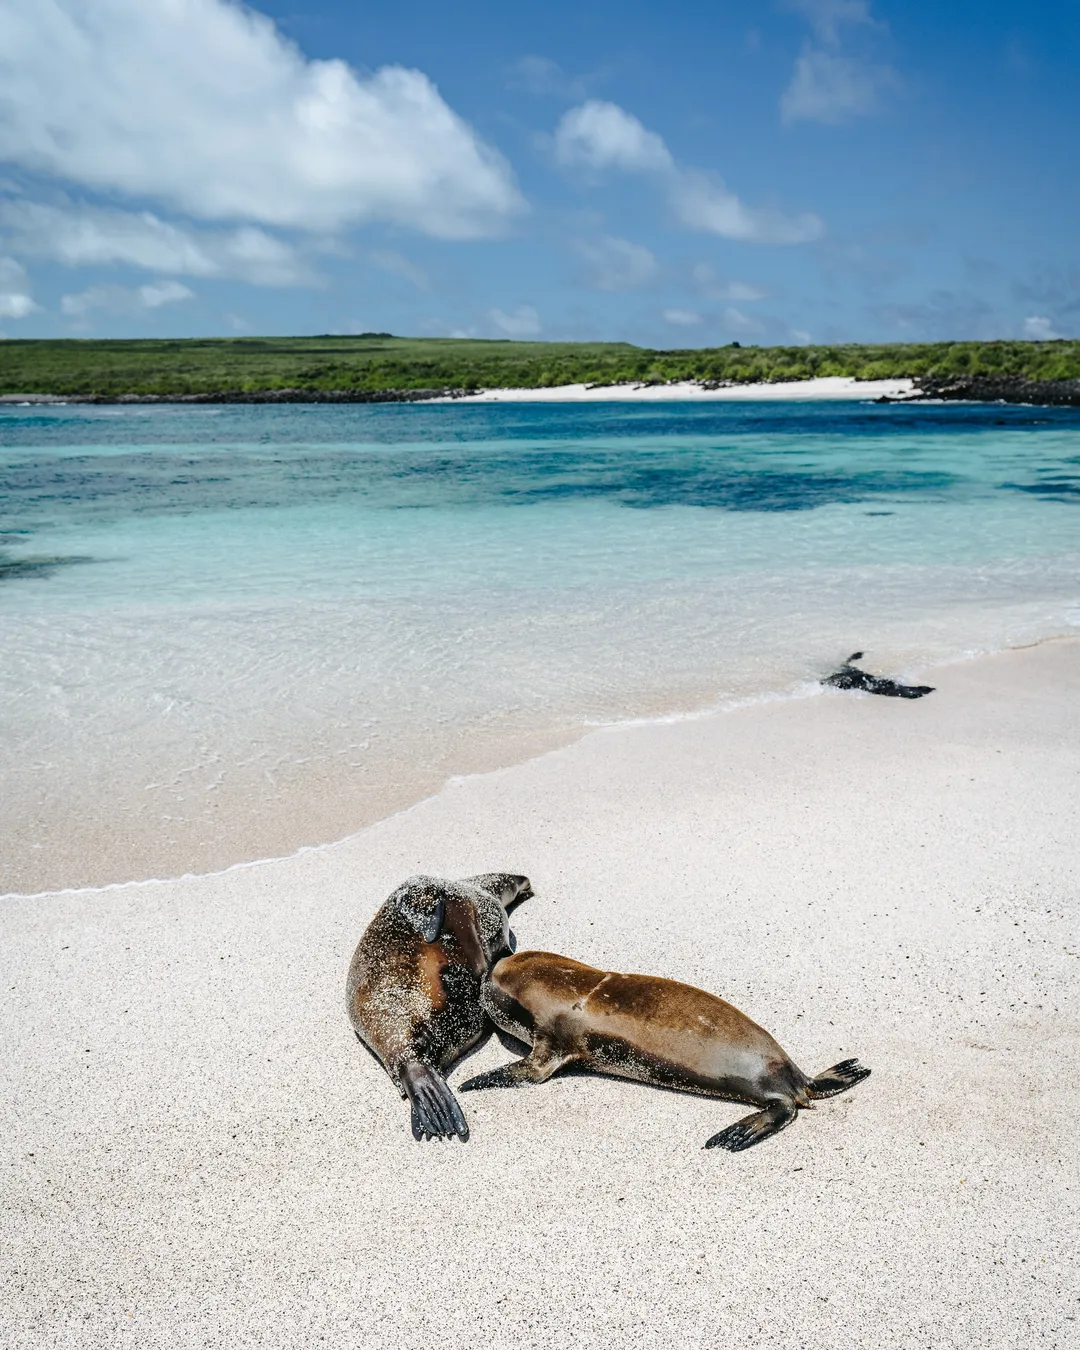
[(753, 1129), (435, 1111), (837, 1079), (536, 1067)]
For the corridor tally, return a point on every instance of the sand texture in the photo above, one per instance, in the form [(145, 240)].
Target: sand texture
[(824, 387), (197, 1152)]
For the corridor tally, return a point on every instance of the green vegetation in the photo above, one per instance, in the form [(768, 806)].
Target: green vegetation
[(373, 362)]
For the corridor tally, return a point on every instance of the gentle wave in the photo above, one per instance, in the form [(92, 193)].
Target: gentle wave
[(297, 621)]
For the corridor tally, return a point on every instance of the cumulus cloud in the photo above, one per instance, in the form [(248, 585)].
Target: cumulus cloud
[(829, 85), (1040, 329), (616, 264), (681, 318), (712, 287), (121, 300), (601, 136), (524, 322), (81, 235), (204, 106), (15, 298), (604, 136), (704, 203)]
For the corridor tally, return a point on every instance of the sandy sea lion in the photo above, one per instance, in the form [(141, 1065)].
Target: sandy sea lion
[(413, 990), (652, 1030)]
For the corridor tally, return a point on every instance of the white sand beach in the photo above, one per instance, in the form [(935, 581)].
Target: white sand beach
[(827, 387), (198, 1153)]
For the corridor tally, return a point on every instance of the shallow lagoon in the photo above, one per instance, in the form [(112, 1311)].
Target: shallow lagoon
[(284, 622)]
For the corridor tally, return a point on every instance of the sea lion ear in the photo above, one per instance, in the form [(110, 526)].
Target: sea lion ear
[(421, 906)]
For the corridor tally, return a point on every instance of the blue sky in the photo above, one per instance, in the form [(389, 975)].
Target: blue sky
[(675, 175)]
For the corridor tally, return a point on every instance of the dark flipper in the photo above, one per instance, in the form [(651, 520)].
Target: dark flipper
[(420, 903), (536, 1067), (753, 1129), (837, 1079), (435, 1111)]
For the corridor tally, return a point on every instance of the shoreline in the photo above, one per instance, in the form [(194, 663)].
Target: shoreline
[(200, 1154), (964, 389), (556, 743)]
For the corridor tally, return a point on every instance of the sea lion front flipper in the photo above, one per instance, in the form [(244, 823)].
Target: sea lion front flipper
[(421, 906), (536, 1067), (753, 1129)]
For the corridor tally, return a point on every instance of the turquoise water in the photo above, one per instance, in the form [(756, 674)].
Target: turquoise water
[(264, 626)]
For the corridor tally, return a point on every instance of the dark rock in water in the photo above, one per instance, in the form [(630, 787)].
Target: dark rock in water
[(851, 677), (251, 396), (11, 568), (999, 389)]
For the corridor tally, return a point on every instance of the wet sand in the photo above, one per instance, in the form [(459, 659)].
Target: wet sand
[(199, 1154)]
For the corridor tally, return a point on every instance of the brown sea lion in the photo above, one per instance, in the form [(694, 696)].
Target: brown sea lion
[(652, 1030), (413, 990)]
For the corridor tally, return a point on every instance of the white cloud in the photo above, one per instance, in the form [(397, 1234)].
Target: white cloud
[(121, 300), (617, 264), (1040, 329), (735, 321), (826, 16), (164, 293), (15, 299), (524, 322), (829, 85), (81, 235), (204, 106), (712, 287), (682, 318), (389, 260), (603, 136), (704, 203), (544, 78)]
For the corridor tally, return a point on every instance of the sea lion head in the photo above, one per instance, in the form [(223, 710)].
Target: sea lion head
[(507, 890)]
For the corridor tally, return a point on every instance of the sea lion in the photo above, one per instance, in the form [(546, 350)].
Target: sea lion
[(851, 677), (413, 990), (651, 1030)]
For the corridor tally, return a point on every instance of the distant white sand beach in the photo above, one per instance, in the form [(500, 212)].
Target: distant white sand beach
[(828, 387), (198, 1153)]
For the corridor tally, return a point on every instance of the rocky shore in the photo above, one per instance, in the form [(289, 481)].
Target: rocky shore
[(1000, 389), (250, 396), (967, 388)]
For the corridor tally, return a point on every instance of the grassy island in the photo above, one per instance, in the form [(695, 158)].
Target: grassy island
[(375, 362)]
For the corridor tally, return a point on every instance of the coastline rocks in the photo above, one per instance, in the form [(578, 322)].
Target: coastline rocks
[(252, 396), (1000, 389)]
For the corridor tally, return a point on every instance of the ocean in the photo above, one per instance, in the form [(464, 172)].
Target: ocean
[(229, 632)]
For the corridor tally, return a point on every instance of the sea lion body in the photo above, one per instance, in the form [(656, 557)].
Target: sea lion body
[(413, 988), (651, 1030)]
